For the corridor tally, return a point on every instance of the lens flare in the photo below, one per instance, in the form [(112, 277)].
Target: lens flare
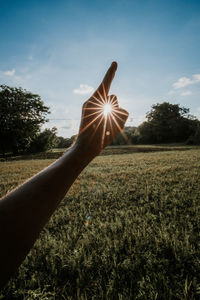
[(101, 112), (107, 109)]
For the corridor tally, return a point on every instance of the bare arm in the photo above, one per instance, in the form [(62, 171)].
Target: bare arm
[(25, 210)]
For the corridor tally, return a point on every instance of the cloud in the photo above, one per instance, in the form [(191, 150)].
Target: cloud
[(185, 81), (9, 72), (196, 77), (186, 93), (83, 89)]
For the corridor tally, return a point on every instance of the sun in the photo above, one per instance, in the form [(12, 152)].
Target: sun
[(104, 115), (107, 109)]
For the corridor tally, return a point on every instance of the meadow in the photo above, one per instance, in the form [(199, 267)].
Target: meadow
[(142, 240)]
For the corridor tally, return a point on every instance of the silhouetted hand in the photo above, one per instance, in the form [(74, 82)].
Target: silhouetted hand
[(102, 118)]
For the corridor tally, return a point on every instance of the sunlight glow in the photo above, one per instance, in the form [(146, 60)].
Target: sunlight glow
[(103, 114), (107, 109)]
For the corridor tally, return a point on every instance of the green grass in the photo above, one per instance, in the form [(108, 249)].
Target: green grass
[(142, 240)]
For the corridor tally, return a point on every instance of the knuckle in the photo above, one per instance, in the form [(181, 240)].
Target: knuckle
[(113, 97)]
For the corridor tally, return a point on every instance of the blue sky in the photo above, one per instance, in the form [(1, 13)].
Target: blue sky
[(61, 50)]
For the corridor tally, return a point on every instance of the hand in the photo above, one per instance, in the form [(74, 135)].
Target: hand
[(102, 118)]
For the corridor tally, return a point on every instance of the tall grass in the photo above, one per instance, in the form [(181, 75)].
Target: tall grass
[(142, 240)]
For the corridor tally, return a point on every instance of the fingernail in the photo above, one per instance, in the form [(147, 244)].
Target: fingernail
[(114, 64)]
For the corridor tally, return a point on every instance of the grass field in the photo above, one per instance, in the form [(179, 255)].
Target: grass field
[(143, 236)]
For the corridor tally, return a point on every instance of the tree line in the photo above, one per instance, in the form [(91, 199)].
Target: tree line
[(22, 114), (166, 123)]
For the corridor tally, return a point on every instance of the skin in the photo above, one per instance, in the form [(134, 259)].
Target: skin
[(25, 210)]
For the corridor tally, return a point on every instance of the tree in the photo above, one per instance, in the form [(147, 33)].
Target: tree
[(194, 139), (44, 141), (64, 142), (21, 115), (167, 123), (127, 136), (146, 133)]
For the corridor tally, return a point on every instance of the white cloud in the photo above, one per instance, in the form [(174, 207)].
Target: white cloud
[(185, 81), (186, 93), (196, 77), (9, 72), (83, 89)]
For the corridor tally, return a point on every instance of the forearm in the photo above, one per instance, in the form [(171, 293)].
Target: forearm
[(25, 211)]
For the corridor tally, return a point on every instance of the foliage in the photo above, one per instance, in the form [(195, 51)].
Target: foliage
[(142, 240), (127, 136), (167, 123), (65, 142), (44, 141), (195, 138), (21, 115)]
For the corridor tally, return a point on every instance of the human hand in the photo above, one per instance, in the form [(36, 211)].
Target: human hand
[(102, 118)]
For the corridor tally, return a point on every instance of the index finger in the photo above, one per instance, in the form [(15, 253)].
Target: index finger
[(104, 87)]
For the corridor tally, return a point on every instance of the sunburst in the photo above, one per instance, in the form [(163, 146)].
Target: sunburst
[(103, 110), (107, 109)]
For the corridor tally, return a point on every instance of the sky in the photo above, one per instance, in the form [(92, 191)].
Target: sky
[(62, 49)]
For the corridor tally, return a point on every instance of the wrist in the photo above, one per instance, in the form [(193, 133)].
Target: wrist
[(83, 151), (78, 156)]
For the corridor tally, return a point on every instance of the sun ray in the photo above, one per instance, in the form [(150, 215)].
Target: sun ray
[(99, 101), (117, 124), (103, 101), (104, 92), (103, 134), (89, 124), (119, 112), (122, 133), (125, 137), (105, 109), (113, 101), (111, 125), (92, 114), (95, 104), (97, 126), (116, 115), (93, 108)]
